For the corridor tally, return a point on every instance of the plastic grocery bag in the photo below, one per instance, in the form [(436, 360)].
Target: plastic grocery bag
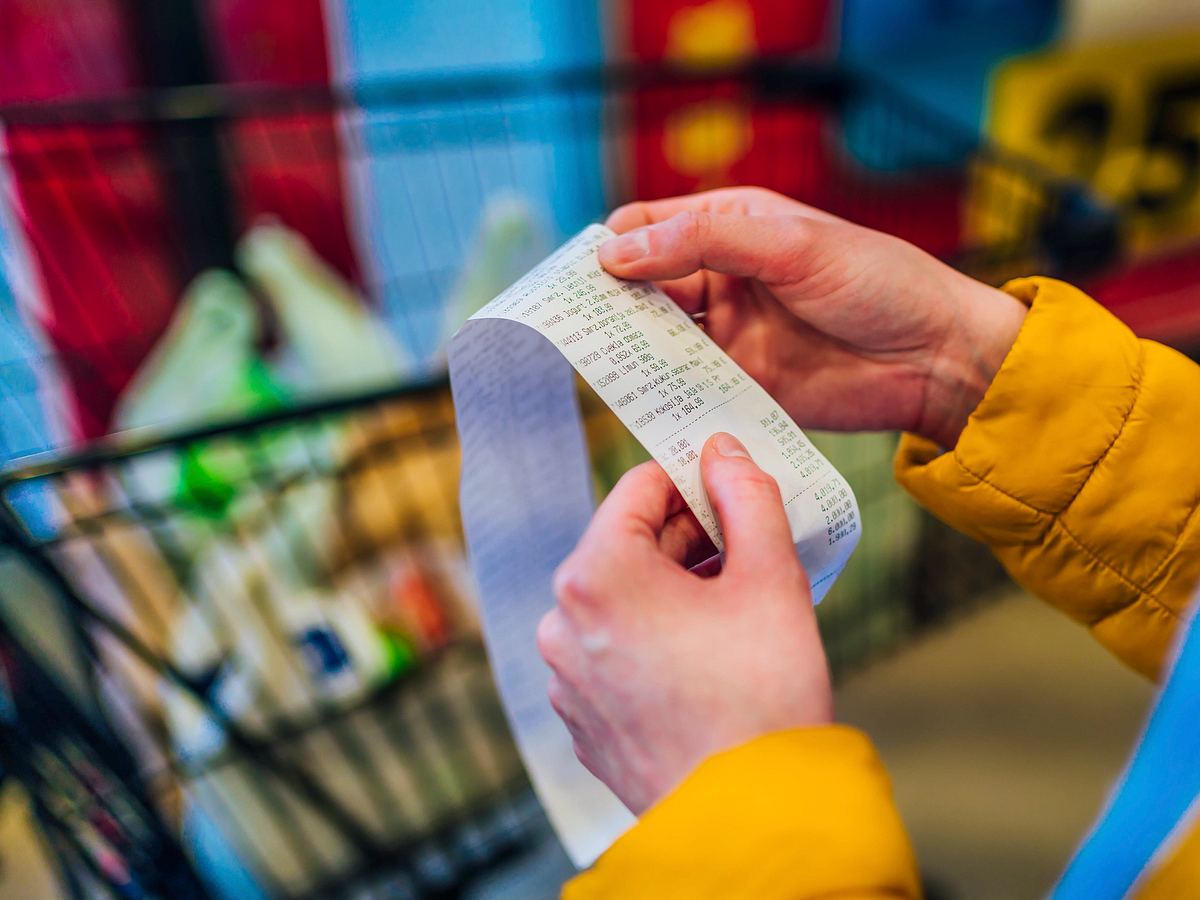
[(335, 342)]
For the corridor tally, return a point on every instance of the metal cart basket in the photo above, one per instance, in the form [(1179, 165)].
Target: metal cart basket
[(276, 614)]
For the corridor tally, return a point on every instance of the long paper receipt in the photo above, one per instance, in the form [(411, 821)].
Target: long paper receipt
[(526, 492)]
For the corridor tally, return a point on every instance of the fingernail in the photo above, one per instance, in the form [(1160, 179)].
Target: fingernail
[(728, 445), (628, 247)]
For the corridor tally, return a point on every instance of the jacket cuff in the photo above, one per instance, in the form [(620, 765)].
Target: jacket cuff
[(1078, 469), (1021, 460), (805, 812)]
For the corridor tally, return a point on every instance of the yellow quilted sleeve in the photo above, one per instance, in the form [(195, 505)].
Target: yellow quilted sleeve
[(800, 813), (1080, 468)]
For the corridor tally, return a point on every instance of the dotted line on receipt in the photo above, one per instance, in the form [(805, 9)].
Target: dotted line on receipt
[(804, 490), (824, 578), (702, 415)]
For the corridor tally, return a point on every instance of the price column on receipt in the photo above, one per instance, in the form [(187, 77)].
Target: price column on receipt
[(526, 485)]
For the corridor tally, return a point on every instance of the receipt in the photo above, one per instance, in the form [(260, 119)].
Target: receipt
[(526, 493)]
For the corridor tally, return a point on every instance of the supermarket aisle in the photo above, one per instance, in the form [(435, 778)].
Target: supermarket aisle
[(1002, 733)]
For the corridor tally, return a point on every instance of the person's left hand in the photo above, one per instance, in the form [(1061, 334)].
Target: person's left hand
[(655, 667)]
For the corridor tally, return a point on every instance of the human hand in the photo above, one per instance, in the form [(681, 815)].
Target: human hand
[(848, 328), (655, 667)]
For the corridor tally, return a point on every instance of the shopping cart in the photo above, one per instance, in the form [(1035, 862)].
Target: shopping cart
[(85, 793), (274, 612)]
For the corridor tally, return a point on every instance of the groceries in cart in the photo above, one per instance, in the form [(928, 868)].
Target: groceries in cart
[(257, 549), (304, 572)]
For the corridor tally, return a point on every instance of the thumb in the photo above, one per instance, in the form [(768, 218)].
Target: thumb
[(745, 246), (746, 500)]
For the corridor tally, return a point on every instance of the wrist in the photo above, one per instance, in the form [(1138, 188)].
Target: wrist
[(985, 327)]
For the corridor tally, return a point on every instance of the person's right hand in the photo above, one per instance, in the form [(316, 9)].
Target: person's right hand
[(848, 328)]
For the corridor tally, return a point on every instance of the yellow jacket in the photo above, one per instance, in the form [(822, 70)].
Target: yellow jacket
[(1081, 470)]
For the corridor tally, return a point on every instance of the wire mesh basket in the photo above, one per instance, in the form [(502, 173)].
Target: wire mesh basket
[(266, 558), (83, 787), (300, 675)]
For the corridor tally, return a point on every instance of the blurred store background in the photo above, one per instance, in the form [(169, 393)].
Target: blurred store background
[(238, 649)]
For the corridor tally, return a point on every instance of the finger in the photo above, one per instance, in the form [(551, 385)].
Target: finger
[(684, 540), (769, 248), (709, 568), (746, 500), (647, 212), (555, 640), (621, 541), (690, 292), (745, 201), (634, 513), (567, 705)]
